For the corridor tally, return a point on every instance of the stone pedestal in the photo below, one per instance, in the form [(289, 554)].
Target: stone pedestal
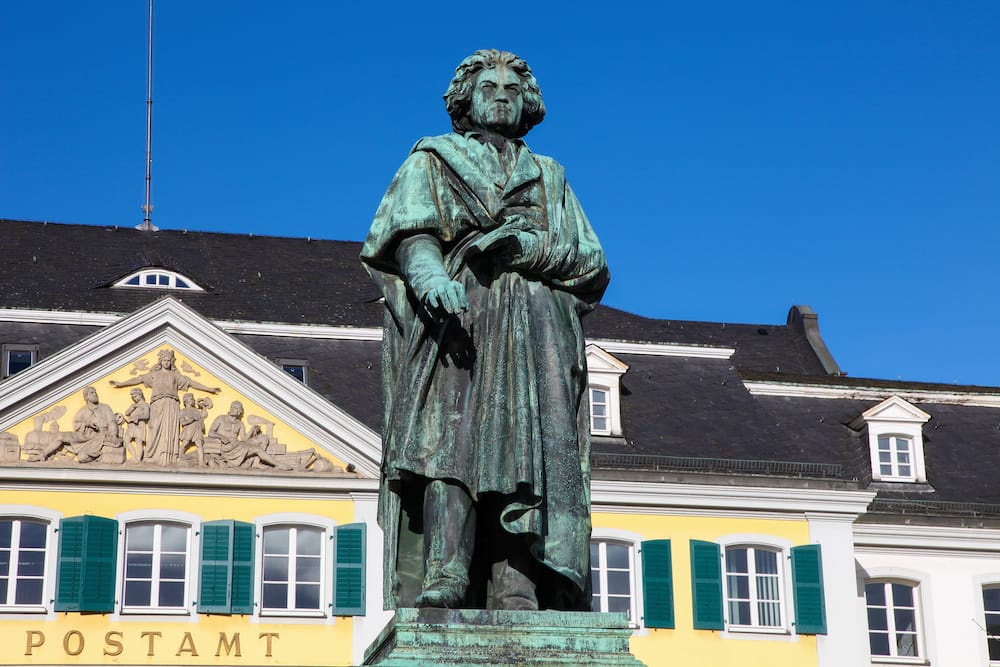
[(473, 637)]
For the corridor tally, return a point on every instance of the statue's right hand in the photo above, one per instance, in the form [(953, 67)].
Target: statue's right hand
[(446, 296)]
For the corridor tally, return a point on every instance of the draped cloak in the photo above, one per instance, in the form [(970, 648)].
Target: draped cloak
[(495, 398)]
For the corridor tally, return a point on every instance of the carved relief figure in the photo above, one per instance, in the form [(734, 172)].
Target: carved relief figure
[(136, 418), (165, 381), (95, 428), (486, 262), (227, 444), (192, 421)]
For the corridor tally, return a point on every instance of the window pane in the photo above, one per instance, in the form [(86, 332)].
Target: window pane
[(599, 423), (595, 578), (885, 470), (134, 280), (150, 279), (173, 566), (906, 645), (306, 596), (32, 535), (276, 541), (275, 568), (137, 593), (5, 531), (275, 596), (618, 583), (617, 556), (174, 538), (308, 541), (878, 619), (739, 586), (883, 443), (767, 588), (879, 643), (736, 560), (595, 554), (17, 361), (139, 538), (739, 613), (991, 599), (30, 564), (182, 284), (905, 620), (307, 569), (296, 371), (172, 594), (619, 604), (4, 563), (3, 591), (163, 280), (139, 566), (875, 594), (766, 562), (29, 591), (902, 595), (769, 614)]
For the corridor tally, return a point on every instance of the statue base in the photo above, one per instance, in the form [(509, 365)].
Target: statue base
[(474, 637)]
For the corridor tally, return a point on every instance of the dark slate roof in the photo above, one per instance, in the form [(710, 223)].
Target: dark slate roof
[(300, 281)]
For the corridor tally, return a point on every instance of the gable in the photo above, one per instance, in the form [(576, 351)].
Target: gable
[(295, 427)]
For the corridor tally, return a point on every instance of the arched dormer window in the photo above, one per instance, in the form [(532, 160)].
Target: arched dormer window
[(894, 430), (154, 278)]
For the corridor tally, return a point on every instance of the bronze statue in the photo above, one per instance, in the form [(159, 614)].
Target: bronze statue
[(486, 262)]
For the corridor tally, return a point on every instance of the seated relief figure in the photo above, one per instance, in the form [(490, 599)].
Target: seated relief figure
[(486, 262), (227, 444), (95, 431)]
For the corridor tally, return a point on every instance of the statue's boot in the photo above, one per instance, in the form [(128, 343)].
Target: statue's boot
[(514, 577), (449, 539)]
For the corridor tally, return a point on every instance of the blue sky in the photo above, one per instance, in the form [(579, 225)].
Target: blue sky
[(735, 158)]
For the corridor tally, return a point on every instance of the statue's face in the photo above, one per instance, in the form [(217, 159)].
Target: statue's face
[(90, 395), (497, 101)]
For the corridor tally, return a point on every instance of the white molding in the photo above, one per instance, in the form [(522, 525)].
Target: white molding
[(791, 390), (637, 495), (57, 317), (943, 539), (663, 349), (167, 321)]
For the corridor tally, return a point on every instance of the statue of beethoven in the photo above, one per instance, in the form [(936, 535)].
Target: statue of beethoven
[(487, 263)]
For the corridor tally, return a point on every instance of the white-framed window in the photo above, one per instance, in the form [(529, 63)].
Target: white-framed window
[(16, 358), (604, 372), (893, 619), (158, 279), (24, 548), (895, 457), (294, 570), (613, 577), (157, 567), (991, 609), (297, 368), (755, 587), (600, 417), (895, 440)]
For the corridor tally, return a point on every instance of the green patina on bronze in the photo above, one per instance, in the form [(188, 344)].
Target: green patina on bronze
[(487, 262)]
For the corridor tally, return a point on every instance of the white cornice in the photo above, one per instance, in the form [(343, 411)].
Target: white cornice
[(319, 331), (736, 498), (663, 349), (934, 538), (872, 394), (110, 480)]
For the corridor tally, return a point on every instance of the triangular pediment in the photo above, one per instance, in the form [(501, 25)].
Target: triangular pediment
[(167, 351), (895, 409), (600, 361)]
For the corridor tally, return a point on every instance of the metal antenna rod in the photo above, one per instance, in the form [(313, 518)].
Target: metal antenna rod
[(147, 207)]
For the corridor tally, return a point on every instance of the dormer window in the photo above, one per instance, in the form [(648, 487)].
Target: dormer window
[(158, 279), (604, 373), (895, 440)]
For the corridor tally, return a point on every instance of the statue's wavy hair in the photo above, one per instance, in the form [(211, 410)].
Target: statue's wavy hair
[(458, 98)]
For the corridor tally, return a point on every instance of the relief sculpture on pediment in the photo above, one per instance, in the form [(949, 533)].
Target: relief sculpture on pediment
[(166, 432)]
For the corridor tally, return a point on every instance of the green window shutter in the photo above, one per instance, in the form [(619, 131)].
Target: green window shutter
[(657, 584), (243, 551), (88, 554), (807, 581), (226, 578), (349, 570), (706, 585), (70, 571)]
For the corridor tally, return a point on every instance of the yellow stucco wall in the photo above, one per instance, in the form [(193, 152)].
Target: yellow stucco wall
[(195, 639), (661, 647), (63, 410)]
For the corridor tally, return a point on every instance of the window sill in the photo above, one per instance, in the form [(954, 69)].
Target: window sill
[(27, 609), (152, 611), (755, 630), (275, 613), (889, 660)]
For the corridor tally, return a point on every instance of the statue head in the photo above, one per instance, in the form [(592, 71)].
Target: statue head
[(475, 97), (166, 358), (136, 395), (90, 395), (189, 400), (236, 409)]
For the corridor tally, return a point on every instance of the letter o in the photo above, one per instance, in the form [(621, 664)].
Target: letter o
[(79, 639)]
